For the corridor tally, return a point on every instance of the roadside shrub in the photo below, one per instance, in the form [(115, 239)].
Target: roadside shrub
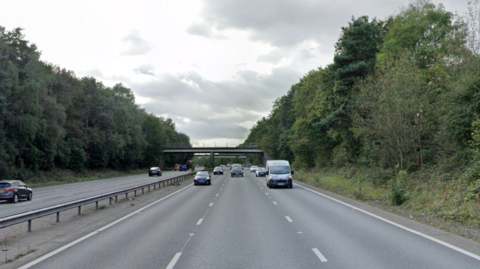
[(398, 189)]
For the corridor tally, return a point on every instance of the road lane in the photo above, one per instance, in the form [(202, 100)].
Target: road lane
[(244, 230), (149, 239), (352, 239), (236, 223), (55, 195)]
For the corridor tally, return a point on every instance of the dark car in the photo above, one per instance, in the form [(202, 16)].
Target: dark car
[(14, 190), (261, 172), (236, 171), (183, 167), (202, 178), (218, 170), (155, 171)]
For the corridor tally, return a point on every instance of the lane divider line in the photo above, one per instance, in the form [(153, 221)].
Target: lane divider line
[(289, 219), (275, 203), (319, 255), (431, 238), (81, 239), (174, 260), (199, 221), (211, 204), (218, 194)]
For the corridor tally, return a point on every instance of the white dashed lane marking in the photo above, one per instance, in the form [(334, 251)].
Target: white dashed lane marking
[(319, 255)]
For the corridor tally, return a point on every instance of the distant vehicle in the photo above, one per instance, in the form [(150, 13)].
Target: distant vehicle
[(176, 167), (183, 167), (261, 172), (155, 171), (218, 170), (14, 190), (236, 164), (279, 174), (202, 178), (253, 168), (236, 171), (222, 166)]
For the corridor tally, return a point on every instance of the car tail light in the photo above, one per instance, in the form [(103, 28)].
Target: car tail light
[(9, 190)]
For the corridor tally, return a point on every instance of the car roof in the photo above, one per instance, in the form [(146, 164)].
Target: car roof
[(8, 180)]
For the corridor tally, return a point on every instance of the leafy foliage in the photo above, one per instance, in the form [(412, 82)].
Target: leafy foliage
[(50, 118)]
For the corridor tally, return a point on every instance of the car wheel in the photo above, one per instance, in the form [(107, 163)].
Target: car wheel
[(30, 195), (15, 198), (290, 186)]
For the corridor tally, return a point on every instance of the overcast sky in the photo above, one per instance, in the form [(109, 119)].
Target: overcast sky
[(213, 66)]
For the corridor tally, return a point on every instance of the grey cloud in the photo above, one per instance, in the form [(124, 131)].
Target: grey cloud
[(145, 69), (204, 29), (216, 109), (283, 23), (272, 57), (138, 46)]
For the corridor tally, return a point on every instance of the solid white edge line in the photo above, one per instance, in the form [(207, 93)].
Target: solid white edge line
[(431, 238), (319, 255), (199, 221), (48, 255), (174, 260), (289, 219)]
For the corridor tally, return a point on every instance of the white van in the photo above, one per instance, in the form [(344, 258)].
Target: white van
[(279, 174)]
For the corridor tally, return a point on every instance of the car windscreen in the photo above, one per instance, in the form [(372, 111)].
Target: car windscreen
[(261, 169), (278, 170), (202, 174), (4, 185)]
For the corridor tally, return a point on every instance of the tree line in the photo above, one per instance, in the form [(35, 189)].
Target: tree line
[(402, 94), (52, 119)]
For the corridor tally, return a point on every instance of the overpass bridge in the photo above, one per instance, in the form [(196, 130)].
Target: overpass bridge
[(213, 151)]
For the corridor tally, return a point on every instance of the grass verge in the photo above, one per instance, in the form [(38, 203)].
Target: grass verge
[(60, 177), (445, 203)]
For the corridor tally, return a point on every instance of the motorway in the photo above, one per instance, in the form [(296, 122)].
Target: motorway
[(50, 196), (240, 223)]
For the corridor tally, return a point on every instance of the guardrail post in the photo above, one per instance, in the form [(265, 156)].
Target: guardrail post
[(110, 200), (126, 195), (135, 193), (163, 183), (29, 226), (80, 210), (143, 190), (96, 205), (116, 200), (148, 188), (58, 217), (154, 186)]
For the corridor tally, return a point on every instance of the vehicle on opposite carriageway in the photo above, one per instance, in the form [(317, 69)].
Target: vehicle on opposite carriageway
[(14, 190)]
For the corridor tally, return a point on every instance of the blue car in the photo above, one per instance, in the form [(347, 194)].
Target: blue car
[(202, 178), (183, 167)]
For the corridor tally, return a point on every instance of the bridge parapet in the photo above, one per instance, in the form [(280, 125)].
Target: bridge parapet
[(215, 145)]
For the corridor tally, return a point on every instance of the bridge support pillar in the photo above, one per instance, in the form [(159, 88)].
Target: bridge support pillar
[(266, 157), (162, 161)]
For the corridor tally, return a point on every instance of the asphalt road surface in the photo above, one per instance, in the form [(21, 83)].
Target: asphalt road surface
[(55, 195), (240, 223)]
